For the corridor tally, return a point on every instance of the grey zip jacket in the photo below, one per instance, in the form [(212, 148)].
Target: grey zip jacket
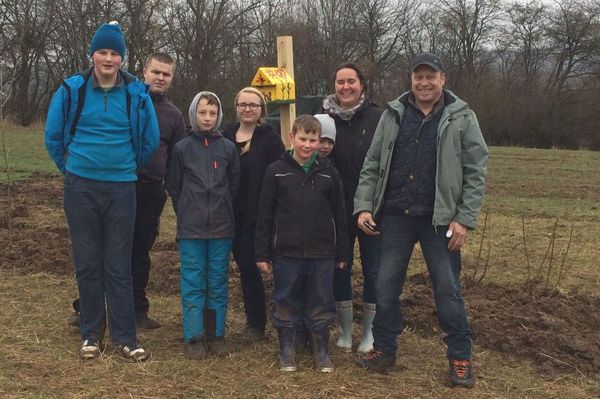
[(461, 163)]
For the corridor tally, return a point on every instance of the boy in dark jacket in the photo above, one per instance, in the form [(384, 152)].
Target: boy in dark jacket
[(302, 230), (203, 180)]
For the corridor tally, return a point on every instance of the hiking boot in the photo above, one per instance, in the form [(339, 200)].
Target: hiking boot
[(135, 353), (377, 361), (461, 373), (287, 351), (250, 335), (90, 349), (218, 347), (144, 322), (195, 348), (320, 343), (73, 319)]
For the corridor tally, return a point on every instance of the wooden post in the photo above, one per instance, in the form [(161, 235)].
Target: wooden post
[(287, 112)]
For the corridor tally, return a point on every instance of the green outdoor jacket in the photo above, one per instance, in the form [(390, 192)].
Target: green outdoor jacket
[(461, 163)]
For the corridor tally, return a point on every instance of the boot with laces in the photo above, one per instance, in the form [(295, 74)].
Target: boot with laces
[(461, 373), (378, 361)]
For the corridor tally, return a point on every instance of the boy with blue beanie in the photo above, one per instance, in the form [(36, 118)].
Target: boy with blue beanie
[(100, 129)]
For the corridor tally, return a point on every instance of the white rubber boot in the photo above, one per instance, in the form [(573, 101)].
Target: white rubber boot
[(366, 344), (344, 316)]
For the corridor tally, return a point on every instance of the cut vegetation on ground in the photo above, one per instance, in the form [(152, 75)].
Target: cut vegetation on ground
[(531, 286)]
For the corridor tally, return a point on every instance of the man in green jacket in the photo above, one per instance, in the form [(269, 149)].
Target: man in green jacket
[(423, 180)]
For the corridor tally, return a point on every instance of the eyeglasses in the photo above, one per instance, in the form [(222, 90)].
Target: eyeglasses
[(251, 106)]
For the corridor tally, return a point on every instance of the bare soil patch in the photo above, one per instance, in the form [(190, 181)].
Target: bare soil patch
[(558, 331)]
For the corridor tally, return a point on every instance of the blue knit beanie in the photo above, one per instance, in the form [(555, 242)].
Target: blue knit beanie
[(108, 36)]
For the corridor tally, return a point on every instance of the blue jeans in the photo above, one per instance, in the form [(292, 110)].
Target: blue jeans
[(398, 236), (204, 267), (253, 288), (369, 259), (101, 217), (302, 290)]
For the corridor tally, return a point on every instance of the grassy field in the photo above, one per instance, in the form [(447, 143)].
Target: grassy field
[(528, 190)]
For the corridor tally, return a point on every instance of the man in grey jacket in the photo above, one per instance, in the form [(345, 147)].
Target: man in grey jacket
[(423, 180)]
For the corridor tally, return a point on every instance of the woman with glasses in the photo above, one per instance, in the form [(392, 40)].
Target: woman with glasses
[(258, 145)]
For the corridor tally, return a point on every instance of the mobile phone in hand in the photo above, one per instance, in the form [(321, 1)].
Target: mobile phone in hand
[(370, 226)]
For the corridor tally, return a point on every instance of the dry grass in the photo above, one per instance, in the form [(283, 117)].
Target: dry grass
[(39, 354)]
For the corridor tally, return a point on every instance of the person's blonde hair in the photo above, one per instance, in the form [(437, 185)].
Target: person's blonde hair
[(263, 102)]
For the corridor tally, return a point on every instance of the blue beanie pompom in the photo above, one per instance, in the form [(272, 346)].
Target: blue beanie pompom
[(109, 36)]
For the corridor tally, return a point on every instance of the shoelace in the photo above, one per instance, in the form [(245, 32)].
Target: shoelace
[(375, 353), (461, 367)]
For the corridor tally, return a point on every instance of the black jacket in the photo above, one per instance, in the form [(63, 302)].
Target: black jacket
[(301, 215), (172, 129), (265, 148), (203, 180), (352, 141)]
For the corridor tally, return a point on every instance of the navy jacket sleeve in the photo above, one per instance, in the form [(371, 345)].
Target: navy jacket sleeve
[(175, 173), (177, 134)]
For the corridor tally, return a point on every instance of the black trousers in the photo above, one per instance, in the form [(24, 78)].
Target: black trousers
[(151, 198), (253, 288)]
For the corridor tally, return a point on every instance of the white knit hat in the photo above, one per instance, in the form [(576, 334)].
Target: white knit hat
[(327, 126)]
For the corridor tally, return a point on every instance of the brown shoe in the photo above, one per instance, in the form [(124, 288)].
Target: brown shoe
[(195, 348), (249, 335), (144, 322), (218, 347)]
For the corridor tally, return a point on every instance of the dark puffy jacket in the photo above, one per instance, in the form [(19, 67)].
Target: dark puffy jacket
[(301, 215), (353, 139), (203, 180), (265, 148)]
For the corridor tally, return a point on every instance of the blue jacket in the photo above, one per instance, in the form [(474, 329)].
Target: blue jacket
[(65, 108)]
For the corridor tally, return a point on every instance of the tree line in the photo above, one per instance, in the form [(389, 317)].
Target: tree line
[(530, 69)]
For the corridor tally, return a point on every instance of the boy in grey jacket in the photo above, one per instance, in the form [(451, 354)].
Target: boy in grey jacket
[(203, 180)]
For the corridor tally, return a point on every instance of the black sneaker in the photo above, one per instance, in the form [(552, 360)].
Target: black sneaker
[(251, 335), (135, 353), (461, 373), (90, 349), (73, 319), (146, 323), (377, 361)]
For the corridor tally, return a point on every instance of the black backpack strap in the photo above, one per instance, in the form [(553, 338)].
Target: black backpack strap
[(80, 101), (128, 99)]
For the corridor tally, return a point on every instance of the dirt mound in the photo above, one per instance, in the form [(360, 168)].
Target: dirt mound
[(559, 332)]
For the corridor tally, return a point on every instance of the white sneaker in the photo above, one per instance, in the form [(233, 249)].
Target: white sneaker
[(89, 349), (135, 353)]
